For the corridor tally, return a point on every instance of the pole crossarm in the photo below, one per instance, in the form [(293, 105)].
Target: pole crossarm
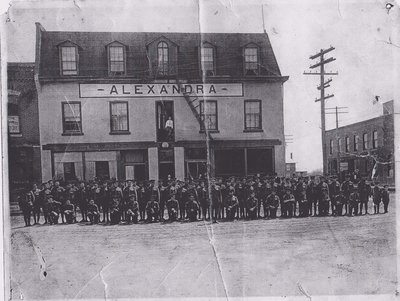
[(331, 59), (319, 73), (322, 52), (325, 97)]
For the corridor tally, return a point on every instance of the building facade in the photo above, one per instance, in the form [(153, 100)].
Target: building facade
[(365, 148), (149, 105), (24, 163)]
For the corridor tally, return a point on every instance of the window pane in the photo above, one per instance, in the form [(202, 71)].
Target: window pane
[(252, 115), (162, 58), (117, 59), (72, 117), (209, 114), (68, 60), (119, 116), (207, 59)]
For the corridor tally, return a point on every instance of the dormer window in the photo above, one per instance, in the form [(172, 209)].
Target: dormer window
[(251, 64), (116, 59), (162, 58), (207, 60), (69, 60)]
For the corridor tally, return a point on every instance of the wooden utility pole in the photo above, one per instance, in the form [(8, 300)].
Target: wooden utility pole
[(337, 112), (323, 85)]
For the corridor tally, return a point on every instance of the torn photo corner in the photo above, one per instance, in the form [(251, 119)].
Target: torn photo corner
[(199, 149)]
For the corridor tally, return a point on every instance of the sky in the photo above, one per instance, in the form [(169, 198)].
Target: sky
[(364, 33)]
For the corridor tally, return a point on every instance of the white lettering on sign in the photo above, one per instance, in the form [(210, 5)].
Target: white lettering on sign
[(151, 90)]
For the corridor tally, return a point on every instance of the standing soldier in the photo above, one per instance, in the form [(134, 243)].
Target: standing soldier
[(385, 198), (241, 194), (182, 198), (353, 200), (231, 204), (364, 190), (224, 194), (191, 208), (164, 194), (81, 196), (26, 205), (377, 197), (346, 192), (35, 192), (58, 193), (142, 194), (215, 201), (311, 197), (204, 200)]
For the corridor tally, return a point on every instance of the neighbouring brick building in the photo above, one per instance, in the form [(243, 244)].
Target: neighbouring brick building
[(23, 126), (356, 147), (140, 104)]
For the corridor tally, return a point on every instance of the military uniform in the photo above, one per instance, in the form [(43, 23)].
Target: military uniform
[(385, 198), (132, 210), (69, 212), (191, 209), (152, 209), (26, 205), (172, 208), (252, 206), (231, 204), (93, 212)]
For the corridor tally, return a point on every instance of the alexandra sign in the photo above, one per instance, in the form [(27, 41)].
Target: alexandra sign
[(154, 90)]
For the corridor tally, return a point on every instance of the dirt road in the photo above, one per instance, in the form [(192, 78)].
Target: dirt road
[(314, 256)]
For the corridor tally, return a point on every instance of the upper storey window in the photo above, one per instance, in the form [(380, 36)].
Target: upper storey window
[(69, 60), (207, 60), (162, 58), (116, 59), (251, 64)]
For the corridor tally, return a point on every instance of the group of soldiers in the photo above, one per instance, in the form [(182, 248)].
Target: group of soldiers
[(117, 202)]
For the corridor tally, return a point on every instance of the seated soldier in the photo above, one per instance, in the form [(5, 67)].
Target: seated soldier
[(53, 210), (252, 205), (192, 208), (69, 212), (288, 202), (272, 203), (173, 208), (26, 206), (339, 202), (152, 209), (115, 215), (93, 212), (132, 210), (231, 204)]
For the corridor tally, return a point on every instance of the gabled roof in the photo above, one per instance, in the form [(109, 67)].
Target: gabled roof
[(93, 58), (160, 38)]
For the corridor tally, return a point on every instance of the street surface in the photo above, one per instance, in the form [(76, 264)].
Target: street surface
[(300, 256)]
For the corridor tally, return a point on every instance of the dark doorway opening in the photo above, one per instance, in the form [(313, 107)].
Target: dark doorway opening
[(165, 121), (166, 164), (102, 170)]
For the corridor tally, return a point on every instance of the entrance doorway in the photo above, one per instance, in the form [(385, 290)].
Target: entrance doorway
[(166, 163), (165, 121)]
